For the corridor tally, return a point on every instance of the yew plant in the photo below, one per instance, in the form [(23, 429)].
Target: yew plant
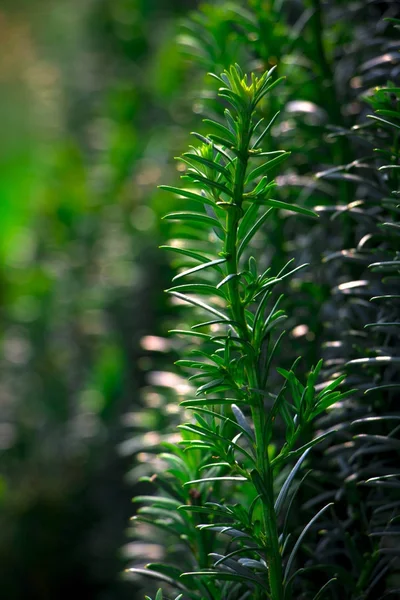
[(228, 488)]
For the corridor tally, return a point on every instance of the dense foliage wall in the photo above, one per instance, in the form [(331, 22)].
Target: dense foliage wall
[(342, 131)]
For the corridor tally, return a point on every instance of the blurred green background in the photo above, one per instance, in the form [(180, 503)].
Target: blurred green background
[(91, 112)]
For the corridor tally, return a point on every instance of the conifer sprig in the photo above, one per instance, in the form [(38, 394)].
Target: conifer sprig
[(230, 450)]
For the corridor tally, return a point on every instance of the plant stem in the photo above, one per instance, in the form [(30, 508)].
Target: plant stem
[(256, 403)]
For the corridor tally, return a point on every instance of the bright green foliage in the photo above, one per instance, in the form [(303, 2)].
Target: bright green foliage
[(159, 596), (231, 475)]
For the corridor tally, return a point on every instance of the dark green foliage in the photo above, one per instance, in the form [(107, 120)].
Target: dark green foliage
[(366, 349), (339, 526)]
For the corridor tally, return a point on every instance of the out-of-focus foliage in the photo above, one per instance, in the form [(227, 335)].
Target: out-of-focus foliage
[(88, 123)]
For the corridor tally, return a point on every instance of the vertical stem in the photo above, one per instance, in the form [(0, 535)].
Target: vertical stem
[(273, 554), (396, 156), (272, 550)]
